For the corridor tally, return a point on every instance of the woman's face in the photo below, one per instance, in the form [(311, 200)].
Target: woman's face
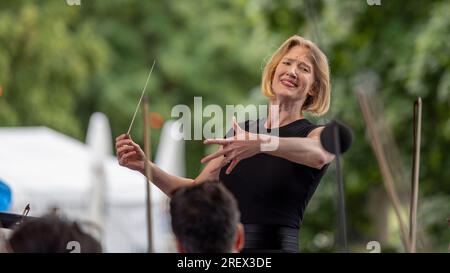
[(294, 75)]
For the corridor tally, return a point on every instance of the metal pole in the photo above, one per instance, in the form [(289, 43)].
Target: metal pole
[(415, 175), (148, 173), (341, 197)]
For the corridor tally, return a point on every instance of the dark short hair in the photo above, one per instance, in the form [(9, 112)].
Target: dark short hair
[(51, 234), (204, 217)]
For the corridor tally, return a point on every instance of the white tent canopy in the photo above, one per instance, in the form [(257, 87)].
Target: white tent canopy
[(48, 169)]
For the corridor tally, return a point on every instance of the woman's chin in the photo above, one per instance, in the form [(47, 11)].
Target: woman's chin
[(285, 95)]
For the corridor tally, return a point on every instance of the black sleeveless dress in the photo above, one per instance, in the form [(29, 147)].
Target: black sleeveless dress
[(272, 192)]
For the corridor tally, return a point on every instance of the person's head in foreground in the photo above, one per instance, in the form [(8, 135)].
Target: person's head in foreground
[(52, 234), (205, 219)]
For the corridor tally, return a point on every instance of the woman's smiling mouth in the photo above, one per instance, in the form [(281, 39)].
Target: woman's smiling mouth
[(289, 83)]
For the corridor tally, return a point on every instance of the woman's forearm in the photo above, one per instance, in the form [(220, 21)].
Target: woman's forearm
[(302, 150), (167, 182)]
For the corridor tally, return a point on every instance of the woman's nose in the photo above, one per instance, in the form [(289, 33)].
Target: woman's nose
[(293, 73)]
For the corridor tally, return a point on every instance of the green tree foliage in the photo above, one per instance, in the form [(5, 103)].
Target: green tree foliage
[(48, 66), (60, 63)]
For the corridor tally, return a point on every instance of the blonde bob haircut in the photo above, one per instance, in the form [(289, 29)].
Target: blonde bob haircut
[(317, 104)]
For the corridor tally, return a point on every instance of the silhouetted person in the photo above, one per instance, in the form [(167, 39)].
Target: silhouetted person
[(52, 234), (205, 219)]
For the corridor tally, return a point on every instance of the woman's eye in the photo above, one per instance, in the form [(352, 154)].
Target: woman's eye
[(286, 63)]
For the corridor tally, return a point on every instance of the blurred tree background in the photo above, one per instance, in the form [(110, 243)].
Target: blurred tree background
[(61, 63)]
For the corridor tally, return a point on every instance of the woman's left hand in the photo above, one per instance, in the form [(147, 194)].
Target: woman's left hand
[(243, 145)]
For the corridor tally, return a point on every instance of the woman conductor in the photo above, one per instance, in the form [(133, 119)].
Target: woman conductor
[(272, 186)]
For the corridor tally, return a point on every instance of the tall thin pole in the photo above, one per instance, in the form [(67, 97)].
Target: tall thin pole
[(148, 173), (415, 175), (341, 197), (383, 164)]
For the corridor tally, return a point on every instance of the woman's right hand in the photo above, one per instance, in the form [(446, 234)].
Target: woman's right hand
[(129, 154)]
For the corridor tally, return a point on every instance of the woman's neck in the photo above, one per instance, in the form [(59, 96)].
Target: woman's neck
[(285, 111)]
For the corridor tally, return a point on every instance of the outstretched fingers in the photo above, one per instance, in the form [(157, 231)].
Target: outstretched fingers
[(222, 164), (214, 155), (220, 141), (233, 164)]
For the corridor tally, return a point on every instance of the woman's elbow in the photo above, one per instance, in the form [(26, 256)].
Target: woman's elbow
[(322, 159)]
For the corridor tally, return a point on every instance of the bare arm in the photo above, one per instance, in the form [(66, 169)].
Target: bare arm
[(303, 150), (130, 155), (168, 183)]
